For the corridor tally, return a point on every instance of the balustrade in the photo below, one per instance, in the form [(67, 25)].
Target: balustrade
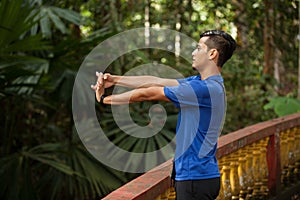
[(257, 162), (244, 173)]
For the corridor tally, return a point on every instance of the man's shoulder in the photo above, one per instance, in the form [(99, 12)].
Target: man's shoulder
[(189, 78)]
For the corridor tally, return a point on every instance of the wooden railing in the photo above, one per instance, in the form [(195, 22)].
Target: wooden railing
[(261, 161)]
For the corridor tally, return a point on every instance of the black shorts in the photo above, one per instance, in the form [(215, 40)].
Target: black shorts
[(206, 189)]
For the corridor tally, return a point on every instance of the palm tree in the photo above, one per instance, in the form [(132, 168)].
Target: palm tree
[(38, 158)]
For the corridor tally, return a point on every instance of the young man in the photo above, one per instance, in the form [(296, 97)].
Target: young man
[(201, 103)]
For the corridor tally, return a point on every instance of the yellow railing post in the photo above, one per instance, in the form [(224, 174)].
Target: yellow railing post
[(256, 162)]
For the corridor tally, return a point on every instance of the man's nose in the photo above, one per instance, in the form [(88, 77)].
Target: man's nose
[(194, 52)]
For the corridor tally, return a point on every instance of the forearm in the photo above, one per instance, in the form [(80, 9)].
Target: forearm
[(119, 99), (143, 81), (136, 95)]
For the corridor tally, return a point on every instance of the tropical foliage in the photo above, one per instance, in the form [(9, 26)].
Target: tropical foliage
[(283, 105), (43, 44)]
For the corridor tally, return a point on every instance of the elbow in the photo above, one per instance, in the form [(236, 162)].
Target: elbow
[(140, 95), (148, 94)]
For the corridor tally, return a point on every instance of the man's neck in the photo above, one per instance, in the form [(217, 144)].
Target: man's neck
[(210, 71)]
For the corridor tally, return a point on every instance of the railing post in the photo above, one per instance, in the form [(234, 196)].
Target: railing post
[(273, 161), (155, 184)]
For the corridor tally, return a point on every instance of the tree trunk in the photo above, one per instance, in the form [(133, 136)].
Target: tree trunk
[(277, 68), (114, 6), (241, 20), (299, 51), (147, 23), (269, 45)]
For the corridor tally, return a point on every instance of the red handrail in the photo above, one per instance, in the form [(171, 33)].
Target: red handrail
[(147, 186), (246, 136), (157, 181)]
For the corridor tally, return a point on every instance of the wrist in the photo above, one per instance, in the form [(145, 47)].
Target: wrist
[(102, 98), (115, 79)]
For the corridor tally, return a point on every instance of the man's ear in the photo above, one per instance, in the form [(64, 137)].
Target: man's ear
[(213, 53)]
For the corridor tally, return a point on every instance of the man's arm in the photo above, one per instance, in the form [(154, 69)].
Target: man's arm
[(137, 81), (137, 95)]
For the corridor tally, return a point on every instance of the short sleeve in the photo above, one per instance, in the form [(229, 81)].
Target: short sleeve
[(170, 95), (187, 93), (182, 80)]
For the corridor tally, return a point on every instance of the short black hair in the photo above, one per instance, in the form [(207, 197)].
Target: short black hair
[(223, 42)]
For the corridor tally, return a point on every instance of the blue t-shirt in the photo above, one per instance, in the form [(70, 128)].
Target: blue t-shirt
[(201, 106)]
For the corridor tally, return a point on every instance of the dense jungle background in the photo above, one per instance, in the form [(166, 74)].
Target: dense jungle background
[(43, 43)]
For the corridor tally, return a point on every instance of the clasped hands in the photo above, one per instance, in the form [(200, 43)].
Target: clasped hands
[(103, 81)]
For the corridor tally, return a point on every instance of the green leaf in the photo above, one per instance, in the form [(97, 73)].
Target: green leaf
[(45, 23), (57, 21), (68, 15), (29, 43), (283, 105), (49, 160)]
